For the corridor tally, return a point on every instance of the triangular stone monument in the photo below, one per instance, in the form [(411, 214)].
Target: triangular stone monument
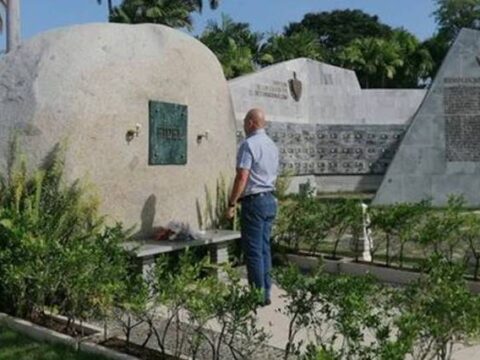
[(440, 153)]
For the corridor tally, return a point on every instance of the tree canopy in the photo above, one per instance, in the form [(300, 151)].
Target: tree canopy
[(3, 4), (381, 55), (338, 28), (234, 44), (398, 61), (109, 5), (453, 15), (174, 13), (374, 60), (417, 60), (280, 47)]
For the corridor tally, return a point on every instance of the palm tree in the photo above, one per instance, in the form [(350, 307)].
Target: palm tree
[(418, 62), (199, 4), (4, 3), (374, 60), (215, 34), (109, 4), (234, 44), (174, 13), (388, 60), (280, 48), (236, 60), (12, 8)]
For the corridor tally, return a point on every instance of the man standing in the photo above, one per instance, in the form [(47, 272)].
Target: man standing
[(257, 168)]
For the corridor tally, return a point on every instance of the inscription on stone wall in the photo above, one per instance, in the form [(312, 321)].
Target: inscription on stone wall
[(462, 118), (274, 90), (307, 149), (462, 100)]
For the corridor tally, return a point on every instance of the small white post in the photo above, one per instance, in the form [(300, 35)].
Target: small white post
[(367, 235)]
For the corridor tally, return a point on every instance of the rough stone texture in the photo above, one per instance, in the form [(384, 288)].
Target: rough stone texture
[(439, 153), (330, 95), (91, 84)]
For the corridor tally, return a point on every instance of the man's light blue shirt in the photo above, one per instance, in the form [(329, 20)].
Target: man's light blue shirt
[(259, 154)]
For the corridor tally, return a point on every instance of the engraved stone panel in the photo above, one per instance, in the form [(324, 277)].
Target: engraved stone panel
[(440, 154), (309, 149), (462, 119), (274, 90)]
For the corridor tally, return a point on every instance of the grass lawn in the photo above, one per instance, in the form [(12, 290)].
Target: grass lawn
[(14, 346)]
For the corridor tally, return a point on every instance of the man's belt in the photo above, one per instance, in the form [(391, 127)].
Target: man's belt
[(251, 196)]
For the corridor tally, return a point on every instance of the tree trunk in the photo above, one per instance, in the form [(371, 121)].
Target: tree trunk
[(477, 267), (13, 24), (402, 245), (388, 251)]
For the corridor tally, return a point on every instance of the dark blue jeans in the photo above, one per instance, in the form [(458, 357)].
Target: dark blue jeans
[(258, 213)]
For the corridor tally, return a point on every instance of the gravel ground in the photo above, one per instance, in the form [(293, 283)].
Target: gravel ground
[(263, 351)]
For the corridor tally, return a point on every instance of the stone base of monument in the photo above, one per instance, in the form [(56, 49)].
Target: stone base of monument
[(309, 263)]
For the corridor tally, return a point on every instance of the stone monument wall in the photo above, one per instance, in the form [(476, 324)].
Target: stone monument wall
[(328, 129), (328, 95), (335, 157), (440, 153)]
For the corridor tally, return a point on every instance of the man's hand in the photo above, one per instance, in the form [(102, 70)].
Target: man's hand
[(230, 213)]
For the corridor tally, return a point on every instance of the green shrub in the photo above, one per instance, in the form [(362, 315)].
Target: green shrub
[(231, 303), (190, 298), (55, 251), (471, 235), (302, 222), (440, 230), (423, 320), (339, 310), (392, 227), (131, 305), (345, 217), (438, 311)]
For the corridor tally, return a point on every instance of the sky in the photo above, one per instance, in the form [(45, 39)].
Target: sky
[(263, 15)]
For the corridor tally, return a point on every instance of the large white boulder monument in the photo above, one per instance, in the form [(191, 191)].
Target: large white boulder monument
[(145, 110)]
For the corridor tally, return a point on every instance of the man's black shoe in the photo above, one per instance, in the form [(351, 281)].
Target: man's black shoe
[(263, 304)]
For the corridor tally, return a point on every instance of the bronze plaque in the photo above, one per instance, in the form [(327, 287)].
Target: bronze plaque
[(167, 133)]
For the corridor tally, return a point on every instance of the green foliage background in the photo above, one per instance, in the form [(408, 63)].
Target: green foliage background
[(382, 56)]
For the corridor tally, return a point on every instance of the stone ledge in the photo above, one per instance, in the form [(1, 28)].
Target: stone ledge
[(43, 334), (349, 267), (150, 247), (86, 326), (96, 349)]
